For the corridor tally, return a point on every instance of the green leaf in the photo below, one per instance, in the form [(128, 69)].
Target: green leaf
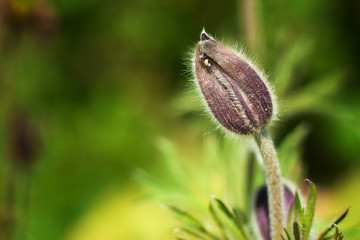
[(218, 222), (191, 233), (297, 230), (223, 208), (335, 222), (298, 208), (288, 234), (187, 217), (230, 221), (192, 221), (240, 221), (289, 219), (310, 210), (334, 236)]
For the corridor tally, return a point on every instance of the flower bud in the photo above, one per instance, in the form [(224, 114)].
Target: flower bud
[(233, 89)]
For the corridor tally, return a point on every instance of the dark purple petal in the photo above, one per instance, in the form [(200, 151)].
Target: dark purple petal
[(262, 209)]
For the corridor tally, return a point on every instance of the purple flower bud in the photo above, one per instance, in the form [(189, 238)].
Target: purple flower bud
[(262, 209), (233, 89)]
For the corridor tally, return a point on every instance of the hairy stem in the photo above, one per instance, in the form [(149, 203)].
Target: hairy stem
[(249, 19), (273, 181)]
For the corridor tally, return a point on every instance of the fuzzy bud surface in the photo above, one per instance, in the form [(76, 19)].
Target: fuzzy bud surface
[(233, 89)]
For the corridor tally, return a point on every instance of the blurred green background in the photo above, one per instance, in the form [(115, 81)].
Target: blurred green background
[(86, 88)]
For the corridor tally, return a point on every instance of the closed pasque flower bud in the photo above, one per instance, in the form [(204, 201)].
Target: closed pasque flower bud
[(234, 90)]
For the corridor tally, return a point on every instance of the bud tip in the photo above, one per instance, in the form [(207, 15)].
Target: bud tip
[(204, 36)]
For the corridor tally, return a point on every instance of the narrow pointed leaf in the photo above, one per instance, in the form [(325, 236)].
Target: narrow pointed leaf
[(218, 222), (223, 208), (240, 215), (192, 233), (238, 223), (287, 234), (310, 210), (192, 221), (297, 230), (289, 219), (334, 236), (298, 208), (332, 224)]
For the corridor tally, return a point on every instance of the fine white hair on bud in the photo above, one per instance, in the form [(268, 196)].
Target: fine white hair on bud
[(235, 91)]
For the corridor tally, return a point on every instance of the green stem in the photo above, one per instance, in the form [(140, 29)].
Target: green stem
[(273, 181)]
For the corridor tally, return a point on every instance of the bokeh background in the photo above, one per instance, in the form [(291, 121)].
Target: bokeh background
[(88, 87)]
